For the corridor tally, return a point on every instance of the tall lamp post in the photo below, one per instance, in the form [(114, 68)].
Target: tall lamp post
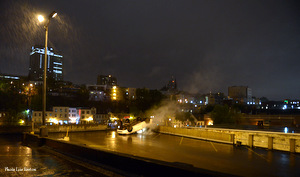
[(43, 129)]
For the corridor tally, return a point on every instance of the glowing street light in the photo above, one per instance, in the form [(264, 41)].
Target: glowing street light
[(41, 18), (43, 130)]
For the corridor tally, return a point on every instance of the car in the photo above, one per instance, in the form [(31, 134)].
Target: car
[(137, 126)]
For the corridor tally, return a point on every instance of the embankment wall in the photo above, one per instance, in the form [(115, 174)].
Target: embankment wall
[(263, 139)]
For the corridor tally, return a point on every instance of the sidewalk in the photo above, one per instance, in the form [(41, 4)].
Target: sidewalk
[(19, 160)]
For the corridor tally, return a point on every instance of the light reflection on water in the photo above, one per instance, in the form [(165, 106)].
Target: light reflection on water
[(111, 141)]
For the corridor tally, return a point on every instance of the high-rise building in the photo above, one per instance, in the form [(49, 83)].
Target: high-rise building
[(107, 80), (242, 94), (54, 65)]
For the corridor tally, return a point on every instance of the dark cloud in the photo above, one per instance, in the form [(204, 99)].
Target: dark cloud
[(207, 45)]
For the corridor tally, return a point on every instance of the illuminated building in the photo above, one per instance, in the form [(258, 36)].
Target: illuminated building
[(65, 115), (102, 118), (36, 66), (86, 114), (9, 77), (12, 79), (130, 93), (109, 80), (114, 93), (37, 116), (97, 92)]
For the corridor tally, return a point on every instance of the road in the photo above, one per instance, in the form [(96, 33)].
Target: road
[(224, 158)]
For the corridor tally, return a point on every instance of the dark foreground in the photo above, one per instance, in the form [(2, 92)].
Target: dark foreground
[(19, 160)]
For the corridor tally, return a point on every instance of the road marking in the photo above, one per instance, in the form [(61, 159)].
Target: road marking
[(181, 140), (214, 146), (258, 154)]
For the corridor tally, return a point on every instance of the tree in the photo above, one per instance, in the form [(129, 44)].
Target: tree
[(12, 102), (225, 114), (221, 115), (184, 116)]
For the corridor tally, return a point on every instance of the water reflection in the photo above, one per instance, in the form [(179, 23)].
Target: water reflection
[(111, 140), (292, 160), (129, 140), (270, 156), (113, 135)]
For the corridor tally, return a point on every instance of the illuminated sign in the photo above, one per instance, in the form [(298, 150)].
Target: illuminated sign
[(42, 51)]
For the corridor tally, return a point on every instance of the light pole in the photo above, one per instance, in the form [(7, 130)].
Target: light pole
[(43, 129)]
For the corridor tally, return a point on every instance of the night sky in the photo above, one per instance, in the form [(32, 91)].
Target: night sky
[(207, 45)]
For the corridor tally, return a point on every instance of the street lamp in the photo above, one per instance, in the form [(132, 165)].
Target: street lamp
[(43, 130)]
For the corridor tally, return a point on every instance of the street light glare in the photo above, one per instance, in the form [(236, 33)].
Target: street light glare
[(53, 14), (41, 18)]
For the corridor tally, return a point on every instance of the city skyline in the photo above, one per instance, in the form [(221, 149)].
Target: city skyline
[(206, 45)]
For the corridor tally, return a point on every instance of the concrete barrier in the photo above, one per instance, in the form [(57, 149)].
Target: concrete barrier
[(73, 128), (11, 129), (128, 163), (203, 134), (263, 139)]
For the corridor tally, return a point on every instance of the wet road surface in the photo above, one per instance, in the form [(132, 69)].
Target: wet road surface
[(241, 161), (19, 160)]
